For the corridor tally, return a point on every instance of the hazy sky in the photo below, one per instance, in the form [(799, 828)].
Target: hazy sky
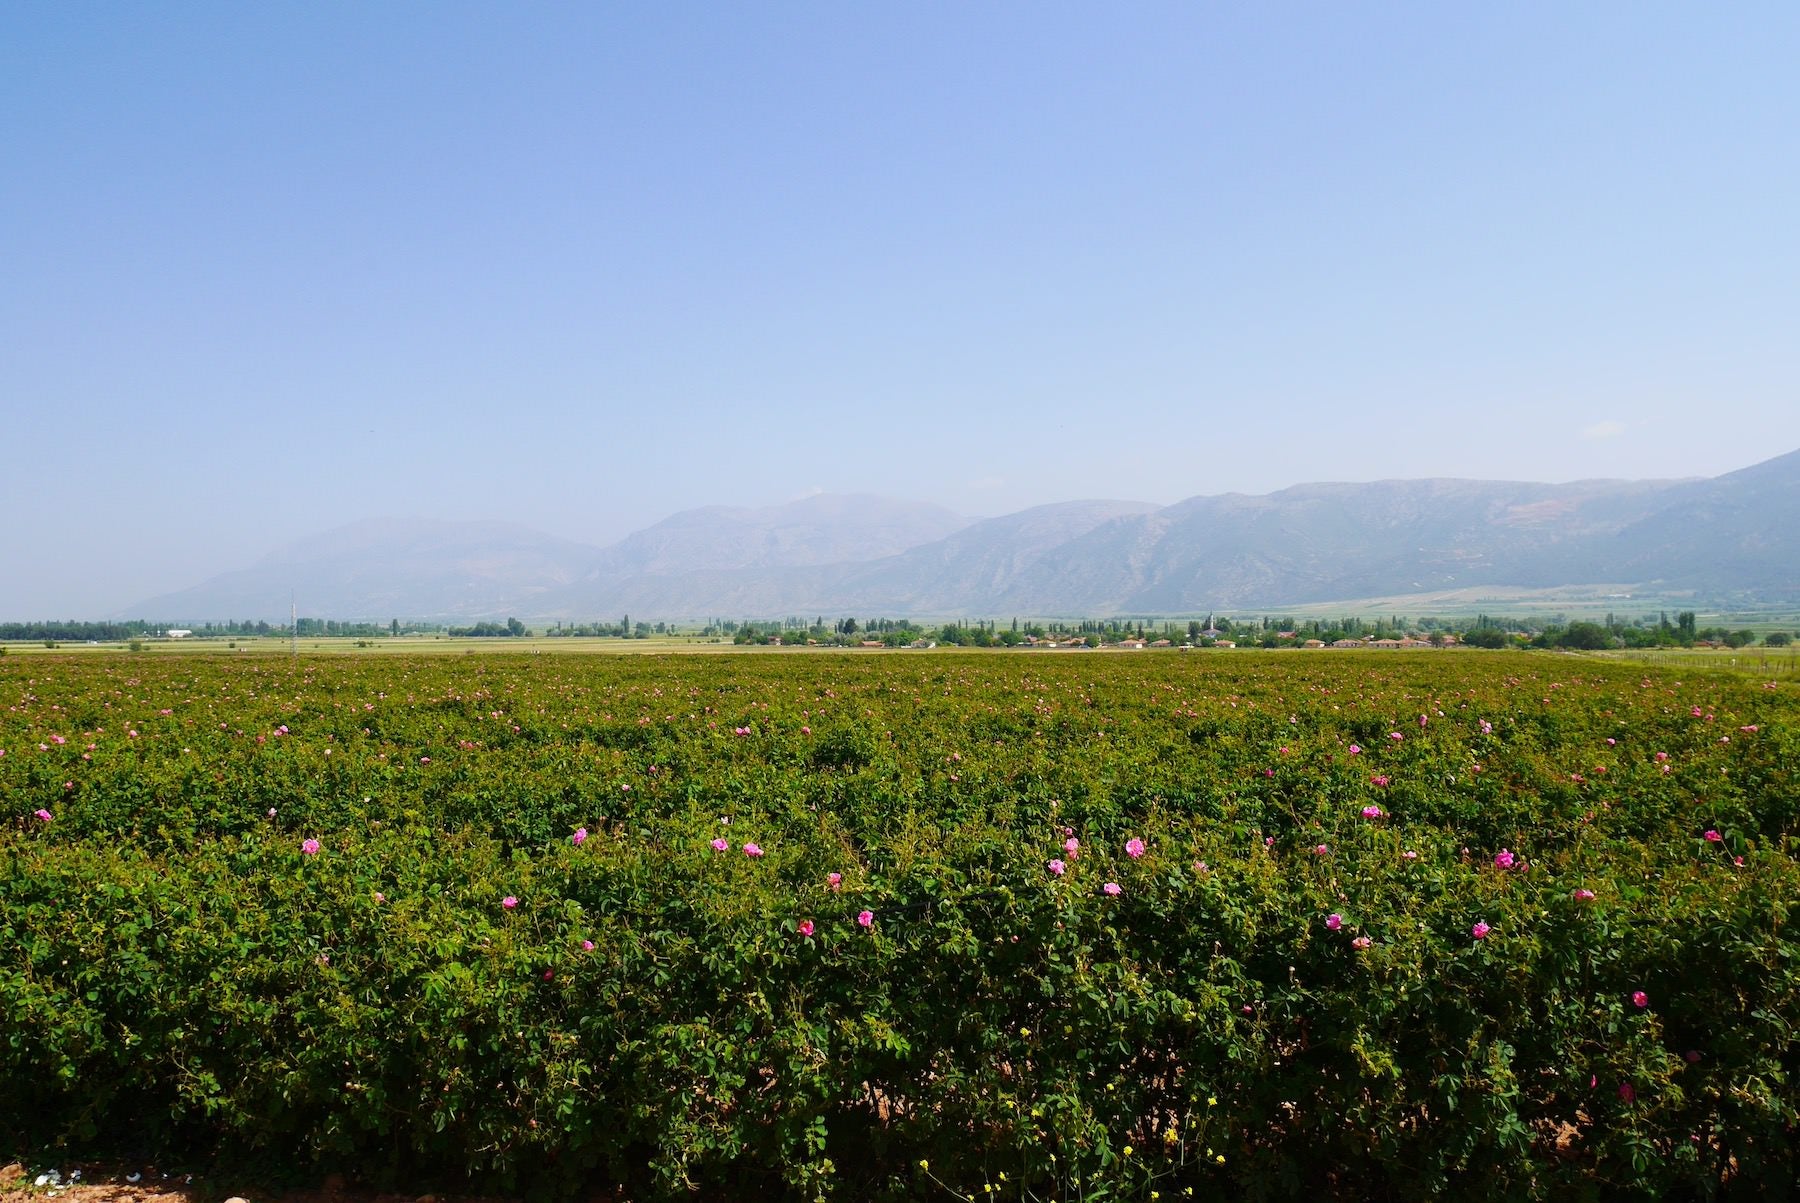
[(269, 268)]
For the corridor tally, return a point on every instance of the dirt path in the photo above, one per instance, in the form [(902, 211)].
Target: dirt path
[(93, 1184)]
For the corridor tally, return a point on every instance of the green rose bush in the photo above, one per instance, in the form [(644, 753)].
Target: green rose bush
[(1023, 925)]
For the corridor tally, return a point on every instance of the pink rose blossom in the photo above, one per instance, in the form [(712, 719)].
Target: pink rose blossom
[(1713, 837), (1409, 854), (310, 847), (804, 927), (509, 902), (1355, 750), (866, 919), (1584, 895), (1395, 736), (753, 850), (587, 946), (1361, 942), (720, 846), (1503, 859), (580, 837), (1057, 867), (1371, 812), (1072, 846), (1626, 1092), (43, 815), (1380, 780), (835, 880), (1134, 848), (1333, 921), (1321, 849), (1639, 999), (1111, 889), (1480, 930)]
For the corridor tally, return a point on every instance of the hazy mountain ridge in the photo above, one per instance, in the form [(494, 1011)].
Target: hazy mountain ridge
[(1735, 534), (824, 529)]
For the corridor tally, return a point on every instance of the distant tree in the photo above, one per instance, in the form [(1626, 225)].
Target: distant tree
[(1586, 636), (1777, 639), (1485, 637)]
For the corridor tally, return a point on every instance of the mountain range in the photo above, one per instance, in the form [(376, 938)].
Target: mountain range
[(1733, 536)]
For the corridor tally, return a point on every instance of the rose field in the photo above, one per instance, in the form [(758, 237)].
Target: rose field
[(907, 925)]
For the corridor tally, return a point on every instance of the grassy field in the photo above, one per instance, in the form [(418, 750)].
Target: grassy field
[(1769, 663)]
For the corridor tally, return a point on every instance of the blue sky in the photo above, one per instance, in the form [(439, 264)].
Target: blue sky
[(265, 269)]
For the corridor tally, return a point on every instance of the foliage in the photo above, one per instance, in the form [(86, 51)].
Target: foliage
[(267, 918)]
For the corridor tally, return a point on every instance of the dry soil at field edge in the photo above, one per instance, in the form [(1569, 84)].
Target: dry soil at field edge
[(17, 1185)]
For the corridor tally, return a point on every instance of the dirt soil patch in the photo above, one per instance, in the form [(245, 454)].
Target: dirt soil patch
[(96, 1184)]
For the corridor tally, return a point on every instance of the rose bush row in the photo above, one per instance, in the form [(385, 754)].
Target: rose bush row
[(1509, 983)]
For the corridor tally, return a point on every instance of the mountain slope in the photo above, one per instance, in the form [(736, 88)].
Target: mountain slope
[(1737, 535), (388, 567), (824, 529), (1739, 531)]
